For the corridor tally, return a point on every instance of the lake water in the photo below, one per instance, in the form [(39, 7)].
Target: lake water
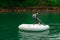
[(9, 26)]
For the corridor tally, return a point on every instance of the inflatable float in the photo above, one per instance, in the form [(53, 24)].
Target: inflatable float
[(33, 27)]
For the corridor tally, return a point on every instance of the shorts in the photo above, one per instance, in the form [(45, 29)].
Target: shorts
[(35, 20)]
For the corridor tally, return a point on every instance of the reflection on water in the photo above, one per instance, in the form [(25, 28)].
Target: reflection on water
[(33, 35)]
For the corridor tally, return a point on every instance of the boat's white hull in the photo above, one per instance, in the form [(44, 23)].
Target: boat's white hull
[(33, 27)]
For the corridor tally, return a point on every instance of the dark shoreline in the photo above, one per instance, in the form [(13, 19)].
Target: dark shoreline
[(30, 9)]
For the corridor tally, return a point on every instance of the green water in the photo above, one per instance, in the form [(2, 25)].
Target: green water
[(9, 26)]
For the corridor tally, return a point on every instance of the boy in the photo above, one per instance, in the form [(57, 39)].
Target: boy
[(35, 17)]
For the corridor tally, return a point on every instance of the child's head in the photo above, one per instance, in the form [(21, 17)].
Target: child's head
[(36, 11)]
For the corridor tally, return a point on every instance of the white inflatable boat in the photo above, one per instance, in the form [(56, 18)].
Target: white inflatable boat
[(33, 27)]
